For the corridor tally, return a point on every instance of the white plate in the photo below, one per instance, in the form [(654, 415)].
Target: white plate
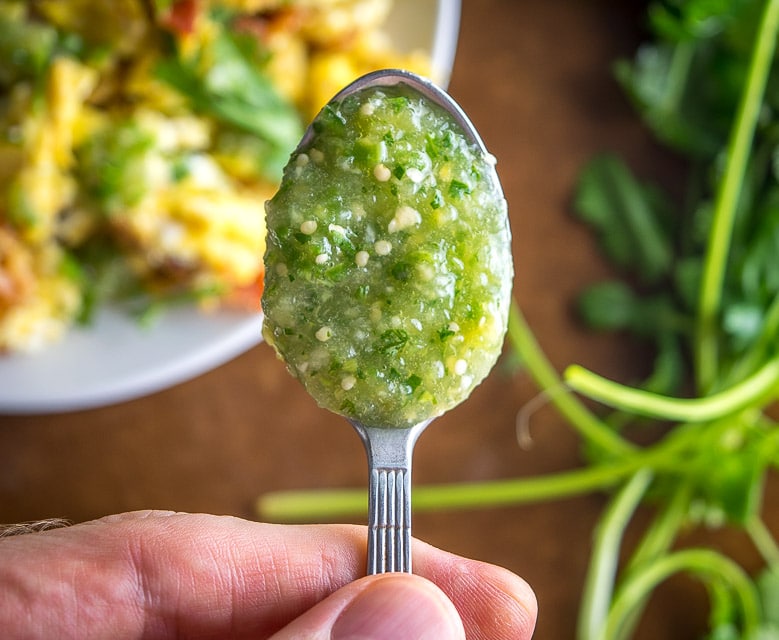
[(115, 359), (431, 25)]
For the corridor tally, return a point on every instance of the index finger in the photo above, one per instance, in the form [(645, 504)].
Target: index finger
[(162, 574)]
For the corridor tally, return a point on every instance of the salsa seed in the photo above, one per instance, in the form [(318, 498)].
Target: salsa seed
[(316, 155), (404, 218), (323, 334), (348, 382), (321, 258), (308, 227), (382, 247), (381, 172), (361, 258)]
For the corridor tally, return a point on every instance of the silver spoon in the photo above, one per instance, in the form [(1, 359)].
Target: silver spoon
[(389, 450)]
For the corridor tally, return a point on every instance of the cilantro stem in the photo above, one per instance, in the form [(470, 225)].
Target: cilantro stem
[(329, 503), (750, 391), (676, 80), (604, 559), (763, 540), (657, 541), (707, 564), (659, 537), (308, 504), (726, 204), (541, 370)]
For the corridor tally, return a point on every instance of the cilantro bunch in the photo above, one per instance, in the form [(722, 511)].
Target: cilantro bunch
[(700, 283), (702, 271)]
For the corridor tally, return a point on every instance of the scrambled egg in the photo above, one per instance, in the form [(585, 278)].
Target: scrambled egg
[(140, 139)]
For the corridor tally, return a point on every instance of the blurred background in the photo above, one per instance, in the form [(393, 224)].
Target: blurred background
[(535, 77)]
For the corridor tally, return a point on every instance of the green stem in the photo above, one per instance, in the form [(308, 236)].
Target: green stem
[(763, 540), (676, 81), (726, 205), (660, 536), (601, 575), (656, 542), (546, 377), (327, 503), (758, 387), (707, 564), (669, 455)]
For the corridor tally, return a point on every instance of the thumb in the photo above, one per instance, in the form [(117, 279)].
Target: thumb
[(383, 607)]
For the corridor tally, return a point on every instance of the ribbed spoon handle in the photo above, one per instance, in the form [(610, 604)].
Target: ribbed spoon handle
[(389, 454), (389, 521)]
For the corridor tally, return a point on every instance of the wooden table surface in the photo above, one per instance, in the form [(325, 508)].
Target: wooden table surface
[(535, 78)]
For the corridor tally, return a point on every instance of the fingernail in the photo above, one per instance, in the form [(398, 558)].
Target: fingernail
[(399, 606)]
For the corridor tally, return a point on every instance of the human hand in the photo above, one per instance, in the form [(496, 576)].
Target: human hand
[(156, 575)]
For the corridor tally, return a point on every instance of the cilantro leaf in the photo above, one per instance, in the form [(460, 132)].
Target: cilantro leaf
[(223, 79), (626, 216)]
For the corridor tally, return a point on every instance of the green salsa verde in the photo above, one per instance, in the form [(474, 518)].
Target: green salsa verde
[(388, 262)]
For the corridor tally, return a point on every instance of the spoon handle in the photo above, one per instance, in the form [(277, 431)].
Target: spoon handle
[(389, 521), (389, 454)]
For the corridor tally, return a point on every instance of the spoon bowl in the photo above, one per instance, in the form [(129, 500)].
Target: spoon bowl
[(423, 86)]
